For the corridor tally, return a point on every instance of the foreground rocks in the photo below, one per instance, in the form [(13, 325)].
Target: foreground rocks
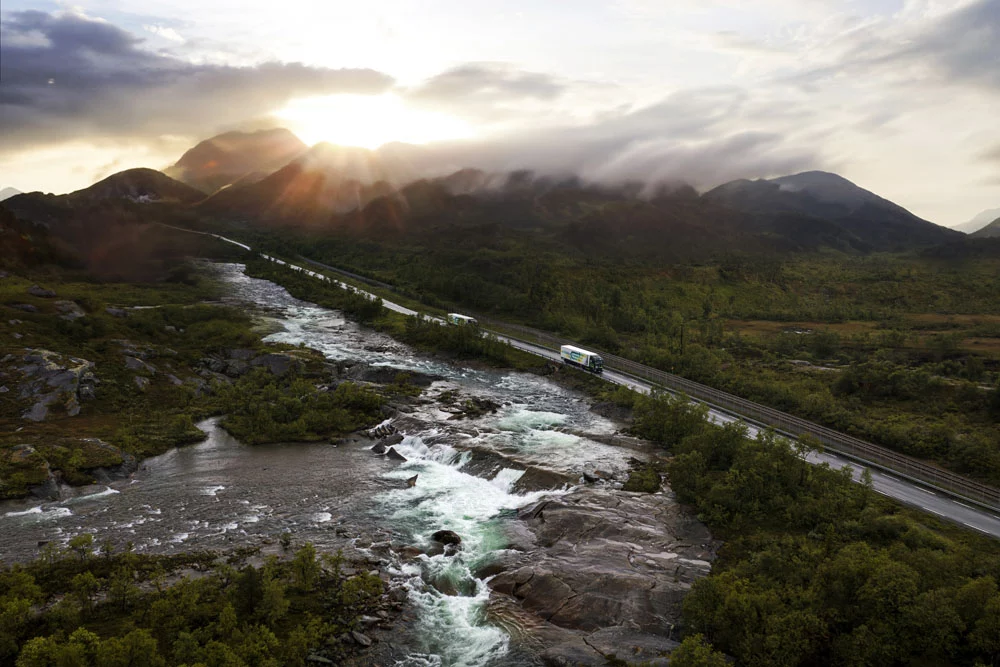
[(602, 572), (48, 380)]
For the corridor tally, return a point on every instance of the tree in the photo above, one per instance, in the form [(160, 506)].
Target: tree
[(39, 652), (137, 648), (82, 544), (695, 651), (122, 589), (305, 566), (668, 419), (85, 586), (273, 604)]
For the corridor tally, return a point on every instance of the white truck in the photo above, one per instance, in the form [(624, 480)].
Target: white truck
[(588, 361), (462, 320)]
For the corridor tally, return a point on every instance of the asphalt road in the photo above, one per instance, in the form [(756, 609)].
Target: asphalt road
[(902, 490)]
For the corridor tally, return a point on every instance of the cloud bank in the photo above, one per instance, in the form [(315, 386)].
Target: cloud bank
[(67, 77), (899, 97)]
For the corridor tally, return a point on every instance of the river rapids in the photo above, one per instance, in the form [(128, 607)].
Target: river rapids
[(220, 494)]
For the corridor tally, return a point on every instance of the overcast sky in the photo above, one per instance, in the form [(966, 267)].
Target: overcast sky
[(902, 97)]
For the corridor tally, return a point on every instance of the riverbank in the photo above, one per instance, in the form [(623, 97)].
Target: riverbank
[(478, 444)]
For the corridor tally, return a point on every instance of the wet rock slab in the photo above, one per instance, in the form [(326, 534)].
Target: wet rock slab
[(604, 572)]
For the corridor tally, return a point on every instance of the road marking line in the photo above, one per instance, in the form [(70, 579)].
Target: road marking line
[(981, 530)]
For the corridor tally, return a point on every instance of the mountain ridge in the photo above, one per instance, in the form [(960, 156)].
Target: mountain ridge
[(990, 231), (979, 221), (9, 192), (227, 158)]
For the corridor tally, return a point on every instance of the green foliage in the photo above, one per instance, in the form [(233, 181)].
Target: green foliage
[(644, 479), (694, 651), (667, 419), (173, 333), (817, 569), (276, 614), (793, 332), (262, 408)]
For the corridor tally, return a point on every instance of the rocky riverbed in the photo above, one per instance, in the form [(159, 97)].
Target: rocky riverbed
[(491, 502)]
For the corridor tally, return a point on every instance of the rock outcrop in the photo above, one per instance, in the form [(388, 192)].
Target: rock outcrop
[(37, 290), (69, 310), (48, 379), (604, 572)]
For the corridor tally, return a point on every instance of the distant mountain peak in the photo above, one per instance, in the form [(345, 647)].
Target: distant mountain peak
[(233, 156), (828, 187), (8, 192), (991, 230), (981, 220)]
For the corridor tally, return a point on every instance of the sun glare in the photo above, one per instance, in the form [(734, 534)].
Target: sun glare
[(368, 121)]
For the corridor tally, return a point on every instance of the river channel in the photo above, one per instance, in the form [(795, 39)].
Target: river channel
[(222, 494)]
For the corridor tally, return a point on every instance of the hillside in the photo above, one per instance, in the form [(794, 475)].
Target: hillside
[(793, 215), (979, 221), (126, 189), (26, 244), (236, 157), (324, 181), (990, 231), (874, 221)]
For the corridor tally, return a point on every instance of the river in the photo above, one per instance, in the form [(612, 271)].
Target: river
[(221, 494)]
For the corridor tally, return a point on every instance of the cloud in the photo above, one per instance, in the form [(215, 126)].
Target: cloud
[(688, 136), (922, 45), (104, 85), (165, 32), (487, 91), (964, 45), (990, 155), (487, 81)]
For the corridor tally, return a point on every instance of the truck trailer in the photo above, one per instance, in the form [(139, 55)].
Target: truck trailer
[(588, 361), (462, 320)]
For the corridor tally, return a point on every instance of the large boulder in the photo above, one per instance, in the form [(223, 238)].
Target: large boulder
[(36, 290), (276, 363), (49, 379), (447, 537), (237, 368), (134, 364), (608, 566), (69, 310)]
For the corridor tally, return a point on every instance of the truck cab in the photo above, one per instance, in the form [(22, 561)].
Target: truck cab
[(585, 359)]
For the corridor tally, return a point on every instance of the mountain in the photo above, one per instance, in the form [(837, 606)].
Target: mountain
[(990, 231), (232, 157), (323, 181), (981, 220), (7, 193), (133, 187), (874, 221)]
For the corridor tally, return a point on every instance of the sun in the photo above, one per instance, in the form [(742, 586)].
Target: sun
[(368, 121)]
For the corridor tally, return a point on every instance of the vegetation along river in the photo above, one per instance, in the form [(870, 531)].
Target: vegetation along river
[(471, 476)]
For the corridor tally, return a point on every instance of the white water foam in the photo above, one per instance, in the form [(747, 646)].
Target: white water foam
[(108, 491), (41, 514), (453, 626), (520, 420)]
